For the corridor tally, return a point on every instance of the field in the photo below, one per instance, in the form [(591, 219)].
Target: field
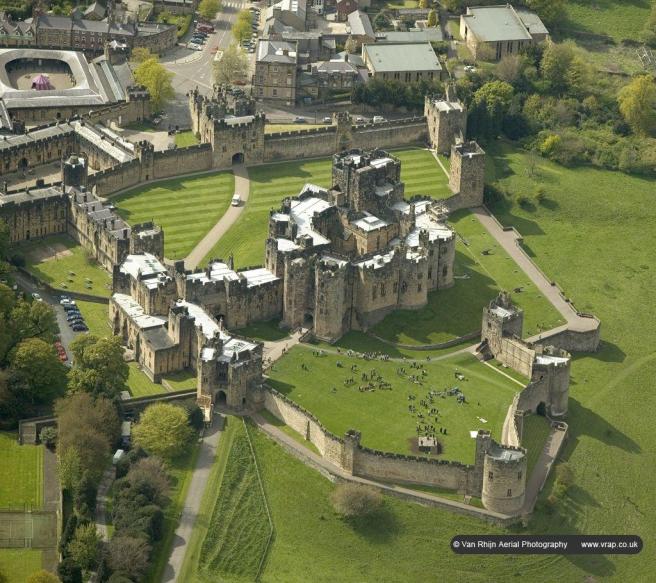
[(534, 436), (21, 478), (62, 263), (238, 530), (181, 380), (16, 565), (96, 317), (403, 541), (620, 19), (186, 208), (269, 185), (383, 416), (458, 310), (266, 331)]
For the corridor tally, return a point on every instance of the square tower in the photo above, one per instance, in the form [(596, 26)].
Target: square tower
[(467, 177)]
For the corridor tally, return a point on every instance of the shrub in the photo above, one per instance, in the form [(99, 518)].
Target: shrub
[(69, 571), (48, 437), (351, 500)]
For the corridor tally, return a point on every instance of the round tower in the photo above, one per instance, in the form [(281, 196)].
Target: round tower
[(504, 479)]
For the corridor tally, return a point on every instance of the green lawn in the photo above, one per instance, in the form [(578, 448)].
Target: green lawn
[(184, 139), (269, 185), (238, 529), (596, 235), (534, 436), (21, 478), (456, 311), (181, 380), (402, 542), (421, 173), (383, 416), (16, 565), (186, 208), (140, 385), (65, 265), (620, 19), (96, 317), (180, 471), (266, 331)]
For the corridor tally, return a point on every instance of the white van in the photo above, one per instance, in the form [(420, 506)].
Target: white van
[(378, 119), (236, 200)]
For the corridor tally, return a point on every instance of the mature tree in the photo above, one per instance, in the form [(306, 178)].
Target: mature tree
[(510, 68), (154, 77), (99, 367), (490, 105), (637, 103), (69, 571), (149, 476), (11, 405), (91, 426), (25, 320), (129, 556), (37, 371), (69, 468), (163, 430), (382, 21), (552, 12), (233, 65), (432, 17), (208, 8), (84, 547), (351, 500), (141, 54), (555, 65), (242, 30), (42, 576)]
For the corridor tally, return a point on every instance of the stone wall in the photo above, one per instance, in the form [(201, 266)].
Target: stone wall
[(390, 134), (196, 158), (573, 340), (115, 179), (300, 144), (517, 355)]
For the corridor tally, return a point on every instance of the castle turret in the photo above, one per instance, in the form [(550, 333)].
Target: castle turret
[(298, 287), (501, 318), (332, 300), (74, 171), (350, 449), (447, 121), (552, 366), (504, 479)]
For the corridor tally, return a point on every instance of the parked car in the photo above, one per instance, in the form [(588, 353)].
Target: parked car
[(327, 119), (37, 297), (300, 119), (379, 119), (236, 200), (74, 316), (470, 68), (194, 47), (359, 120), (71, 306), (80, 328)]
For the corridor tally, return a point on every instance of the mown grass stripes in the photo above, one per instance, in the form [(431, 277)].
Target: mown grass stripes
[(186, 208)]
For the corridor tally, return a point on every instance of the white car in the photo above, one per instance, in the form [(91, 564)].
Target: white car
[(36, 297), (378, 119), (194, 47), (236, 200)]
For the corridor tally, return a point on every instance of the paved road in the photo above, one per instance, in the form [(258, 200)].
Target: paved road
[(101, 504), (242, 188), (191, 507)]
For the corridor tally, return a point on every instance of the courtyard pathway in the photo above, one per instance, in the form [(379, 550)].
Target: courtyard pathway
[(274, 349), (102, 520), (242, 188), (199, 479)]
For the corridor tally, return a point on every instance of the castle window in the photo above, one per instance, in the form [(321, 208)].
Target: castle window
[(382, 290), (445, 270), (490, 475), (519, 475), (509, 493), (430, 274), (395, 287), (419, 287), (373, 293)]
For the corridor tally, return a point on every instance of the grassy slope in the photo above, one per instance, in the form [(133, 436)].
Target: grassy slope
[(457, 311), (269, 185), (96, 317), (596, 237), (421, 174), (140, 385), (238, 529), (620, 19), (534, 436), (56, 271), (405, 542), (16, 565), (186, 208), (383, 416), (21, 478)]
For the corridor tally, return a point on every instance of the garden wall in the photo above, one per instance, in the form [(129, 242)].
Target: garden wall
[(351, 457), (300, 144), (390, 134), (196, 158)]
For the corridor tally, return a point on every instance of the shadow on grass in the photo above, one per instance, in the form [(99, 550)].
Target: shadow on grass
[(610, 352), (267, 331), (380, 527), (587, 422)]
